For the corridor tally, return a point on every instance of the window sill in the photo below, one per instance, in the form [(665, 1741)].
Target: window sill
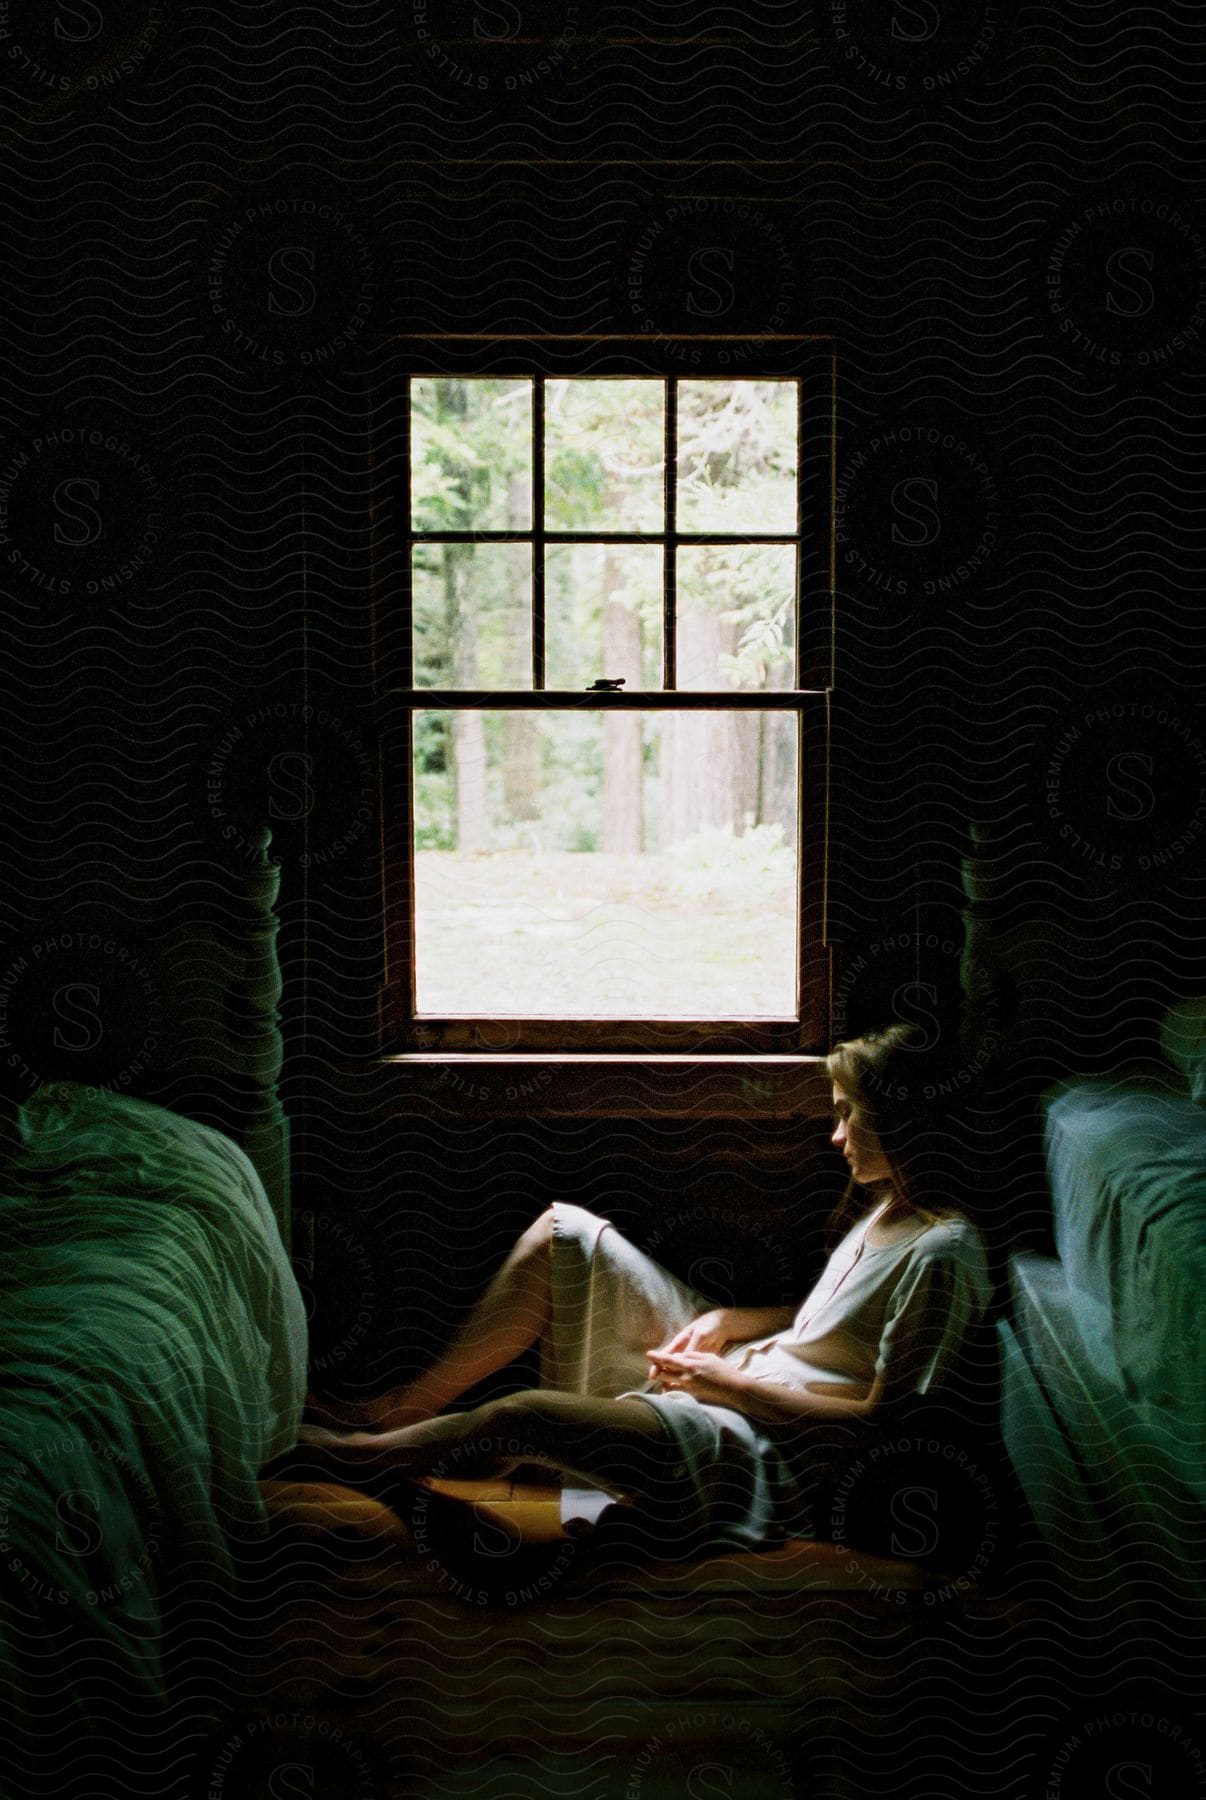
[(658, 1084)]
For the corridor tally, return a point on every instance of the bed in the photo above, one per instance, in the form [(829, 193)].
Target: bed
[(154, 1352), (1104, 1358)]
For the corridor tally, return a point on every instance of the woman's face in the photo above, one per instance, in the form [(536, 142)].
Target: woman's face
[(855, 1137)]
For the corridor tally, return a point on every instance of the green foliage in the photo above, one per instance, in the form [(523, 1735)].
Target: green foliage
[(575, 482), (604, 443), (435, 824), (435, 821), (465, 448), (764, 648), (715, 862), (737, 451), (737, 474), (431, 742)]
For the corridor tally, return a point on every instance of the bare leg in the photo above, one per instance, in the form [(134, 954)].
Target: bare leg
[(618, 1444), (510, 1316)]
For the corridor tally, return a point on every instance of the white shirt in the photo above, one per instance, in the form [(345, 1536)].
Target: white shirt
[(899, 1310)]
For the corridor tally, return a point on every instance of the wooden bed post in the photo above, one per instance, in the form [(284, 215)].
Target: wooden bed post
[(256, 997)]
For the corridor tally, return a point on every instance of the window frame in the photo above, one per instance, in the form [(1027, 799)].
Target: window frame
[(810, 361)]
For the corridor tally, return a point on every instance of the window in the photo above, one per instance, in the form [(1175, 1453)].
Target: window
[(604, 643)]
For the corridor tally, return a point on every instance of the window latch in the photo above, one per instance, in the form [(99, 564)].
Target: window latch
[(607, 684)]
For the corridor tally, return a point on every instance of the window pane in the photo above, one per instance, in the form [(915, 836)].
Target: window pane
[(472, 615), (617, 864), (736, 616), (737, 455), (603, 614), (604, 462), (470, 454)]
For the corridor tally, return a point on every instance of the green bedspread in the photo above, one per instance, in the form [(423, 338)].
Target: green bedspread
[(152, 1357)]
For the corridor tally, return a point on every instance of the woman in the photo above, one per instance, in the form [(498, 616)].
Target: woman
[(719, 1420)]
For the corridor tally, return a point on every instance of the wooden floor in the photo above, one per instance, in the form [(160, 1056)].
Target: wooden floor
[(463, 1645)]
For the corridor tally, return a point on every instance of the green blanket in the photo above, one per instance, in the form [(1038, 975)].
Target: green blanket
[(152, 1357)]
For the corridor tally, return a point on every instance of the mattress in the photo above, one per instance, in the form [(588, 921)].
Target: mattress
[(1052, 1479), (1144, 1475), (1127, 1166)]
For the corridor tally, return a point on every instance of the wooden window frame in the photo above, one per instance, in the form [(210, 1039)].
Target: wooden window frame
[(810, 362)]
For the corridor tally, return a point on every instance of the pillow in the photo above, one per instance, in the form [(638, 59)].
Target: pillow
[(1183, 1041)]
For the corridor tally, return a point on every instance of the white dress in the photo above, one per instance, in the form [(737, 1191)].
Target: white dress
[(900, 1310)]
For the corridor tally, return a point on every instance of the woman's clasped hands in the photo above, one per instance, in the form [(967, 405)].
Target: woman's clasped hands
[(698, 1372), (690, 1360)]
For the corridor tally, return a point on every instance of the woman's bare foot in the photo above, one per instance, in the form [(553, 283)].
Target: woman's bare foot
[(510, 1317)]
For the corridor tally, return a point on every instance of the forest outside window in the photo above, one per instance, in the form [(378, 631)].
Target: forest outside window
[(638, 866)]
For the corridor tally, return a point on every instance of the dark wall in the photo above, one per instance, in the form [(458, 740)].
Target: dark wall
[(222, 220)]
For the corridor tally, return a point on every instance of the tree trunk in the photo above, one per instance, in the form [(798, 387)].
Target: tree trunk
[(469, 754), (623, 761), (466, 736), (704, 759), (779, 787), (520, 730), (468, 728)]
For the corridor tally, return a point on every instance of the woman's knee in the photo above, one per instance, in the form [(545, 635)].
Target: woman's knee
[(518, 1429), (534, 1408), (547, 1413), (511, 1419), (538, 1237), (540, 1420)]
